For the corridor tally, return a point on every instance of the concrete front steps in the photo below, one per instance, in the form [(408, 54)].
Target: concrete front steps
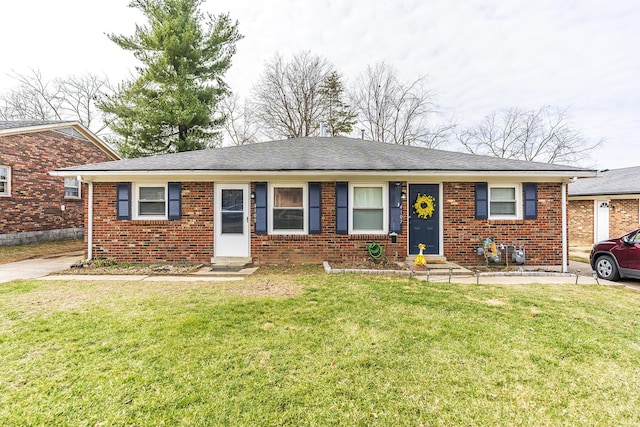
[(436, 265), (228, 267)]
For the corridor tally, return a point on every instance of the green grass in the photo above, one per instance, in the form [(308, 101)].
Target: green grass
[(314, 349)]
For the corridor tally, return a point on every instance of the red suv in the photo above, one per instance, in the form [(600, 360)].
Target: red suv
[(616, 258)]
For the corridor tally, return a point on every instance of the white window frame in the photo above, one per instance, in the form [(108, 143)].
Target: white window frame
[(305, 207), (136, 201), (79, 187), (518, 200), (7, 192), (385, 207)]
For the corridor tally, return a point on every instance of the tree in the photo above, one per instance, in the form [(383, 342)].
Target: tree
[(288, 95), (184, 55), (240, 121), (394, 111), (337, 115), (67, 98), (543, 135)]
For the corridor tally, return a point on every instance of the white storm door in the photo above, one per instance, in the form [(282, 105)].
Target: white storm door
[(232, 220), (602, 220)]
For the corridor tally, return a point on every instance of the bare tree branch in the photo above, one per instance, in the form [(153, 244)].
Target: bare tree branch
[(69, 98), (240, 123), (542, 135), (288, 99), (394, 111)]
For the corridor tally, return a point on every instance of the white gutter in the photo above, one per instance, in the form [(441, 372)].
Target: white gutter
[(90, 223), (329, 175), (565, 248)]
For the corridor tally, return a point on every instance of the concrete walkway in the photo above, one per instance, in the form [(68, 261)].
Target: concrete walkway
[(37, 267), (43, 269)]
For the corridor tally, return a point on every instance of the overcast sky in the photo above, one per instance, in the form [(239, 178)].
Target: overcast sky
[(479, 55)]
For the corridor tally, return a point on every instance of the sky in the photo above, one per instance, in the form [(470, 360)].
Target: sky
[(478, 56)]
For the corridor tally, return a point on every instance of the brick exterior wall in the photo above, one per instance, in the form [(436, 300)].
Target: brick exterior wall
[(36, 197), (581, 218), (623, 217), (190, 239), (326, 246), (187, 240), (463, 233)]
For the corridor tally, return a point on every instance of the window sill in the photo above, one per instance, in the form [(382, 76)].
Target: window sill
[(375, 236), (505, 221)]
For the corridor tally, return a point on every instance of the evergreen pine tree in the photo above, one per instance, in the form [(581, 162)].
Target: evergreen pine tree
[(337, 115), (184, 55)]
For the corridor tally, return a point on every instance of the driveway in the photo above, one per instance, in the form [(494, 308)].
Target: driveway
[(37, 267), (586, 270)]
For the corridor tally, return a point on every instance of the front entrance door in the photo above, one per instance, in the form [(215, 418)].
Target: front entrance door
[(424, 218), (602, 221), (232, 220)]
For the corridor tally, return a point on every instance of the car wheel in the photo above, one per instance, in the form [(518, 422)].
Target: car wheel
[(606, 268)]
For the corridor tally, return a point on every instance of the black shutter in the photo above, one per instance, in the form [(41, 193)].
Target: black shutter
[(482, 200), (315, 208), (342, 207), (260, 188), (123, 198), (175, 200), (395, 208), (530, 200)]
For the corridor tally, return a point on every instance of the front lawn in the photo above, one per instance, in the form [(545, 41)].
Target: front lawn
[(311, 349)]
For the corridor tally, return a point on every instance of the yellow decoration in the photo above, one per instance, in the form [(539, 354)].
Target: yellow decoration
[(420, 259), (424, 206)]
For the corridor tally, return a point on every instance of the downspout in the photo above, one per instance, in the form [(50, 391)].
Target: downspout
[(565, 248), (90, 223)]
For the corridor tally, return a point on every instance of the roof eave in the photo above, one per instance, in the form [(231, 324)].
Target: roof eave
[(93, 175), (56, 126)]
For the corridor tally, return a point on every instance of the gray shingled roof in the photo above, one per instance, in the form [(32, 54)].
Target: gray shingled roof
[(17, 124), (611, 182), (321, 154)]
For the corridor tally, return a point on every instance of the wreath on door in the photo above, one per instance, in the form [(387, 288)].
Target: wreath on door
[(424, 206)]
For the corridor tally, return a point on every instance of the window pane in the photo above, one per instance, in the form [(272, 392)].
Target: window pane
[(71, 192), (3, 174), (287, 197), (503, 208), (152, 193), (367, 219), (500, 194), (367, 197), (151, 208), (3, 187), (288, 219), (71, 186), (232, 200), (232, 222)]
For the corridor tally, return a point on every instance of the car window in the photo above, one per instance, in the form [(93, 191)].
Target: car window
[(635, 238)]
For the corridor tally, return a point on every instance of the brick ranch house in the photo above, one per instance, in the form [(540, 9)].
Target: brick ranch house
[(604, 207), (35, 206), (305, 200)]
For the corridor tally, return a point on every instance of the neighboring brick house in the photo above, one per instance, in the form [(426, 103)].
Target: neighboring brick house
[(305, 200), (35, 206), (605, 206)]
